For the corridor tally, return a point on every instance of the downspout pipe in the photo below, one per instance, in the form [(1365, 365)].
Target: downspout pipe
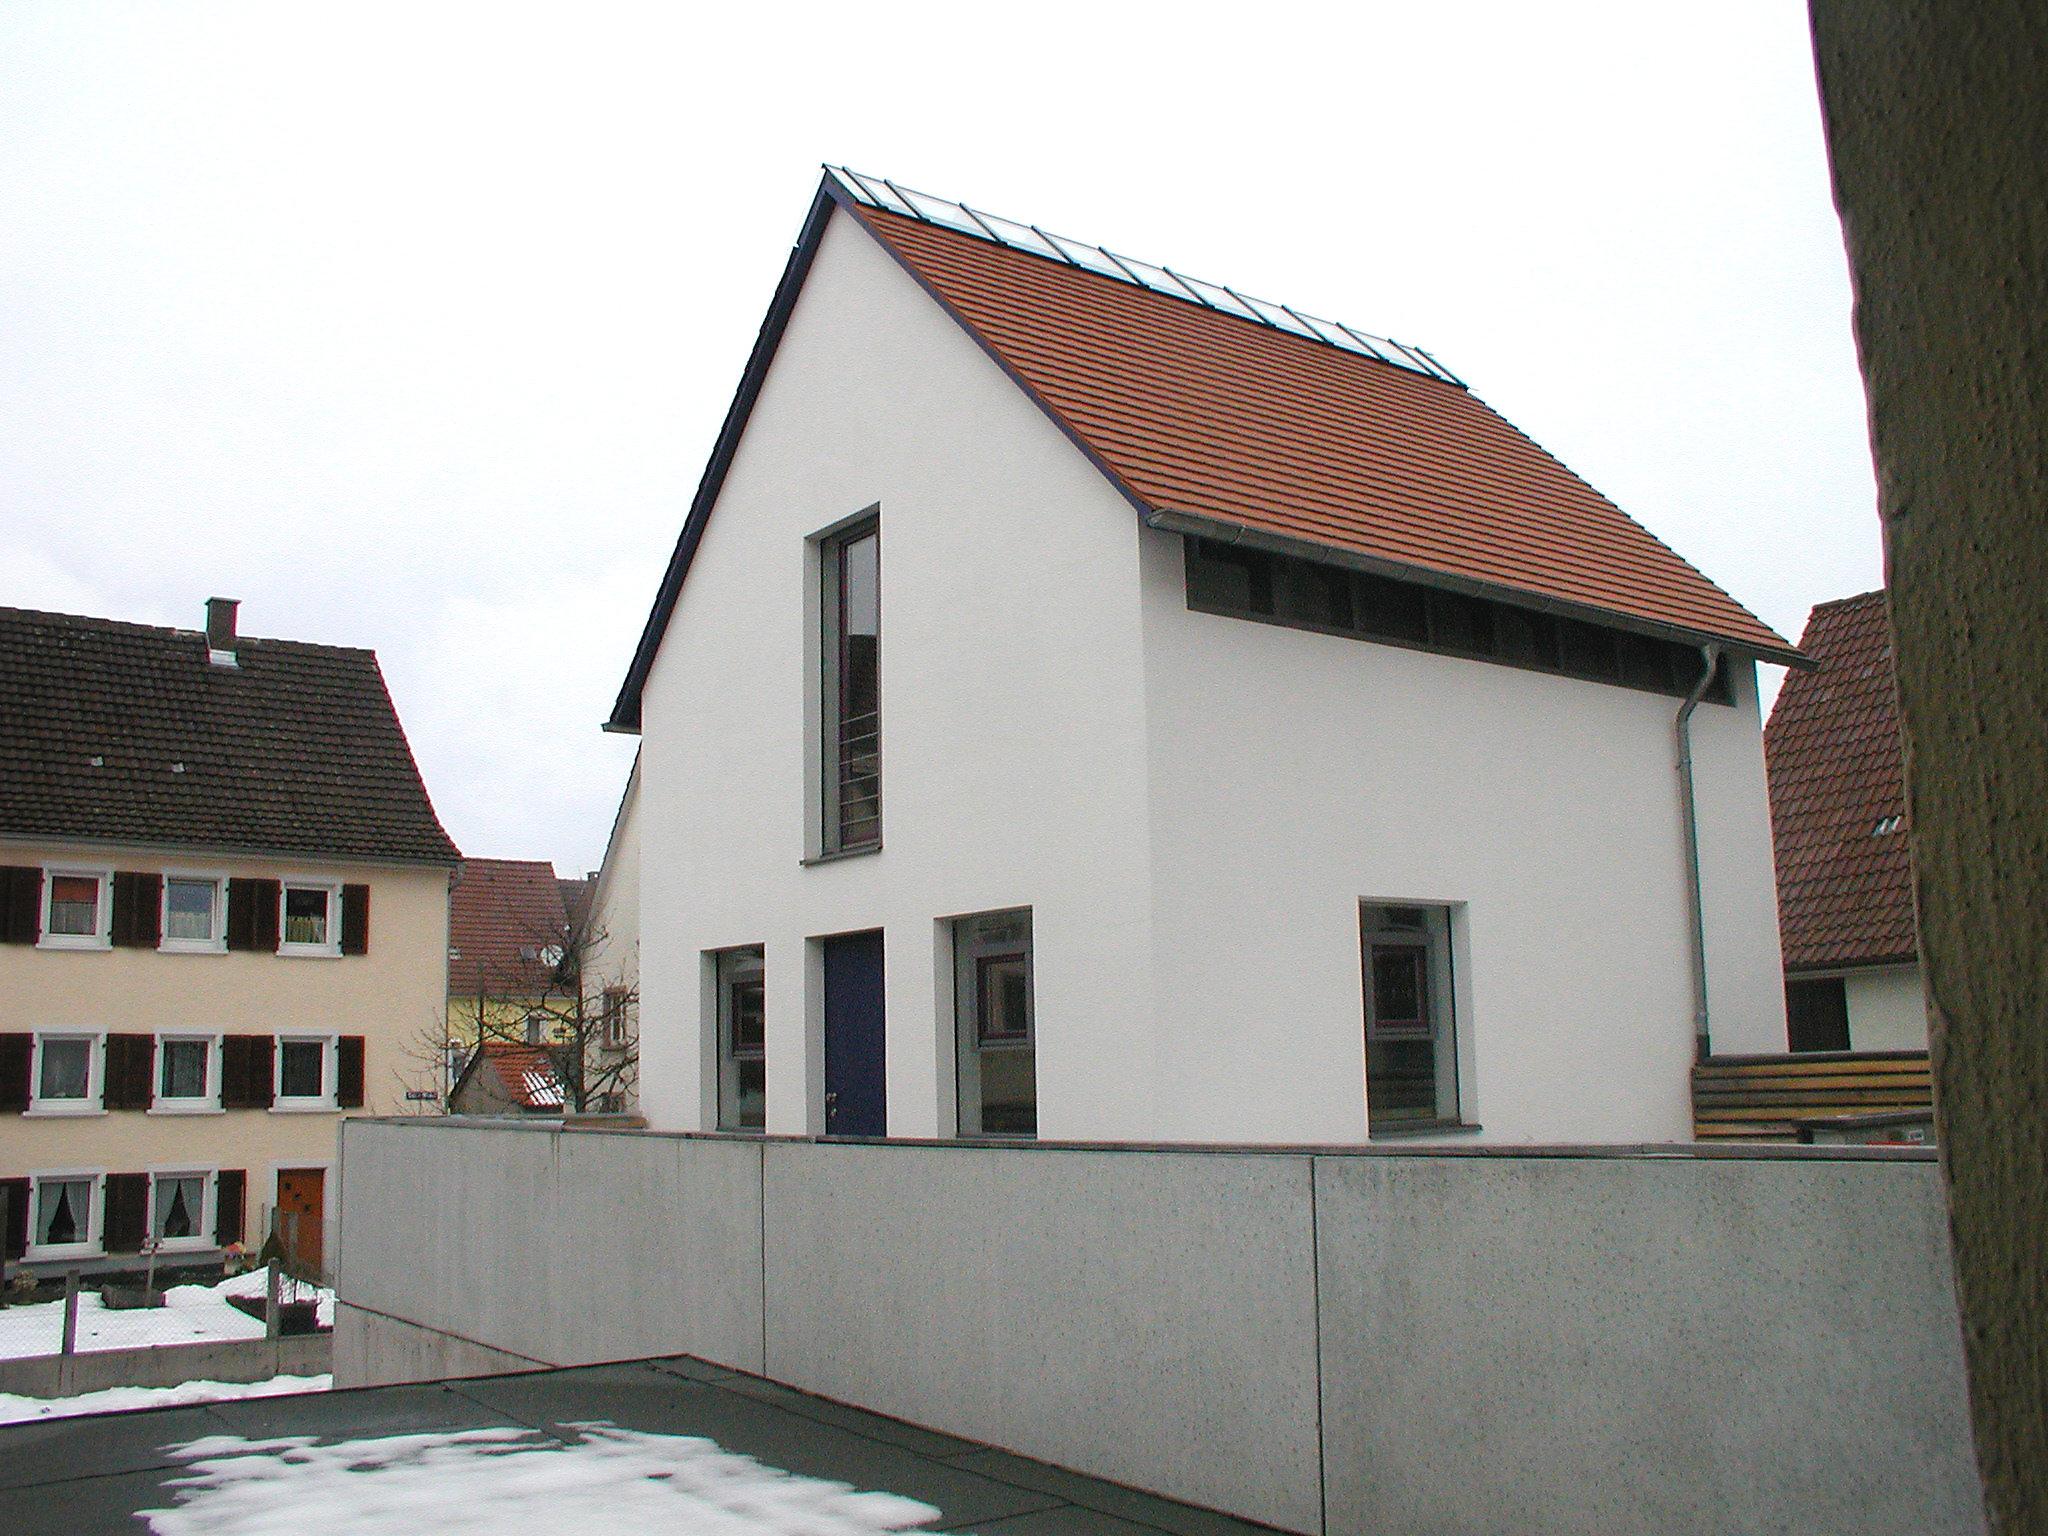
[(1703, 1044)]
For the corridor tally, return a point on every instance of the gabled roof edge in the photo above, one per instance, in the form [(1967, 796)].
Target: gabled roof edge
[(625, 716)]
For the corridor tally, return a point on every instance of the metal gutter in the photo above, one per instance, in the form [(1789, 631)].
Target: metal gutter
[(1703, 1042)]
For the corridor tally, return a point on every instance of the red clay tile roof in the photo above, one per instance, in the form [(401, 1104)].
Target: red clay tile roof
[(1837, 771), (1196, 411), (526, 1073), (124, 733), (504, 917)]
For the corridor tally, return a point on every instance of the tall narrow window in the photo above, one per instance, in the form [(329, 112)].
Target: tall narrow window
[(742, 1041), (1411, 1055), (997, 1048), (850, 589)]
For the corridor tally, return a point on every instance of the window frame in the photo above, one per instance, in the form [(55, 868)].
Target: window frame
[(95, 1100), (330, 947), (1436, 941), (729, 1056), (971, 957), (204, 1240), (612, 1002), (102, 936), (218, 944), (326, 1102), (208, 1103), (93, 1245), (833, 638)]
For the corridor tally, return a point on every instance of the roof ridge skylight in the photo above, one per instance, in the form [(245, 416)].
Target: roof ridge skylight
[(879, 192)]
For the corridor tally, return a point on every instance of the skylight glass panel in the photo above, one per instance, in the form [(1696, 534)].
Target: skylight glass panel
[(1094, 259), (1220, 298), (1280, 319), (1156, 278), (938, 211), (1022, 236)]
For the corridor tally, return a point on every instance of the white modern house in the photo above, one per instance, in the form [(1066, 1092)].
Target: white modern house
[(1088, 703)]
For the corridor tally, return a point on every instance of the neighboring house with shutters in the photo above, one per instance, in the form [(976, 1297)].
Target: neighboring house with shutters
[(223, 922), (1844, 849), (1085, 702)]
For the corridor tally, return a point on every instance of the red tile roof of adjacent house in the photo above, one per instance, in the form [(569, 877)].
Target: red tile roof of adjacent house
[(1197, 411), (504, 918), (525, 1073), (1838, 796)]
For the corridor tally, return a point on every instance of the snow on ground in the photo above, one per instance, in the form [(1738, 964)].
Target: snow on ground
[(16, 1410), (190, 1314), (493, 1480)]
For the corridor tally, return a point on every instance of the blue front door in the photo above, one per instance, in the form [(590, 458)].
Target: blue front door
[(856, 1091)]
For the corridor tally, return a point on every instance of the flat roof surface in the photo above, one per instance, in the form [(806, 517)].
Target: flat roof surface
[(93, 1473)]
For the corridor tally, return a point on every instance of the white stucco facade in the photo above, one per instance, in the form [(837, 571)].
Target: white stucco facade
[(1193, 807), (1887, 1008)]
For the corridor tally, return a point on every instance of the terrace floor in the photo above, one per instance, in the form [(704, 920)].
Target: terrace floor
[(95, 1473)]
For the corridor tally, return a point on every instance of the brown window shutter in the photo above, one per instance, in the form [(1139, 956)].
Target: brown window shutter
[(269, 893), (349, 1070), (355, 919), (21, 905), (13, 1218), (17, 1051), (138, 910), (131, 1059), (127, 1208), (247, 1076), (231, 1193)]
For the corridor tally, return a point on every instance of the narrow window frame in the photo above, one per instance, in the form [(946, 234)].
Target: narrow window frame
[(977, 945), (727, 976), (1430, 937), (834, 644)]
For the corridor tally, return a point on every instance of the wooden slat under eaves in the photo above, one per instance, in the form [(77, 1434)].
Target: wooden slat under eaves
[(1200, 412), (1769, 1098)]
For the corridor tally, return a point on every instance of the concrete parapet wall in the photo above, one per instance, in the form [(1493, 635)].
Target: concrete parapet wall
[(166, 1365), (1547, 1341)]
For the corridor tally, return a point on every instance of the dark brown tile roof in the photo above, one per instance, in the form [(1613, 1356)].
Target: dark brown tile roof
[(505, 920), (1201, 412), (114, 732), (1837, 771), (576, 896)]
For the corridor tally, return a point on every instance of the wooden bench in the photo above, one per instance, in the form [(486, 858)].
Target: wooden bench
[(1768, 1098)]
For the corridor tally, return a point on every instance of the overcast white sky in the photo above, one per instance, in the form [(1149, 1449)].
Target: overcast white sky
[(412, 327)]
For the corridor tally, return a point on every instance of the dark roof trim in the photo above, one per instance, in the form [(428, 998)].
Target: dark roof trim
[(301, 857), (831, 195), (1821, 972), (626, 711), (1227, 532)]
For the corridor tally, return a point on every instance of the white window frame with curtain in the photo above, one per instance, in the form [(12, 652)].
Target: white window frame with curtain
[(92, 1243), (102, 935), (207, 1103), (216, 942), (205, 1218), (327, 947), (320, 1103), (94, 1100)]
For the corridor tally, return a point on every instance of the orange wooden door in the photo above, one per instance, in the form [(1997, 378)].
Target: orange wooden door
[(302, 1193)]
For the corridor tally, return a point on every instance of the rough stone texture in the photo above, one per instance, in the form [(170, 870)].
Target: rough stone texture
[(1936, 118), (1538, 1344), (1146, 1318)]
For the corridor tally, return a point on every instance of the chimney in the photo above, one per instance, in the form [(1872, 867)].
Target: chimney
[(220, 630)]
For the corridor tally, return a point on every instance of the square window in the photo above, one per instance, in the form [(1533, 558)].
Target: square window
[(75, 905), (66, 1070), (63, 1212), (178, 1208), (184, 1069), (307, 917), (1411, 1054), (191, 911), (995, 1054), (302, 1069)]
